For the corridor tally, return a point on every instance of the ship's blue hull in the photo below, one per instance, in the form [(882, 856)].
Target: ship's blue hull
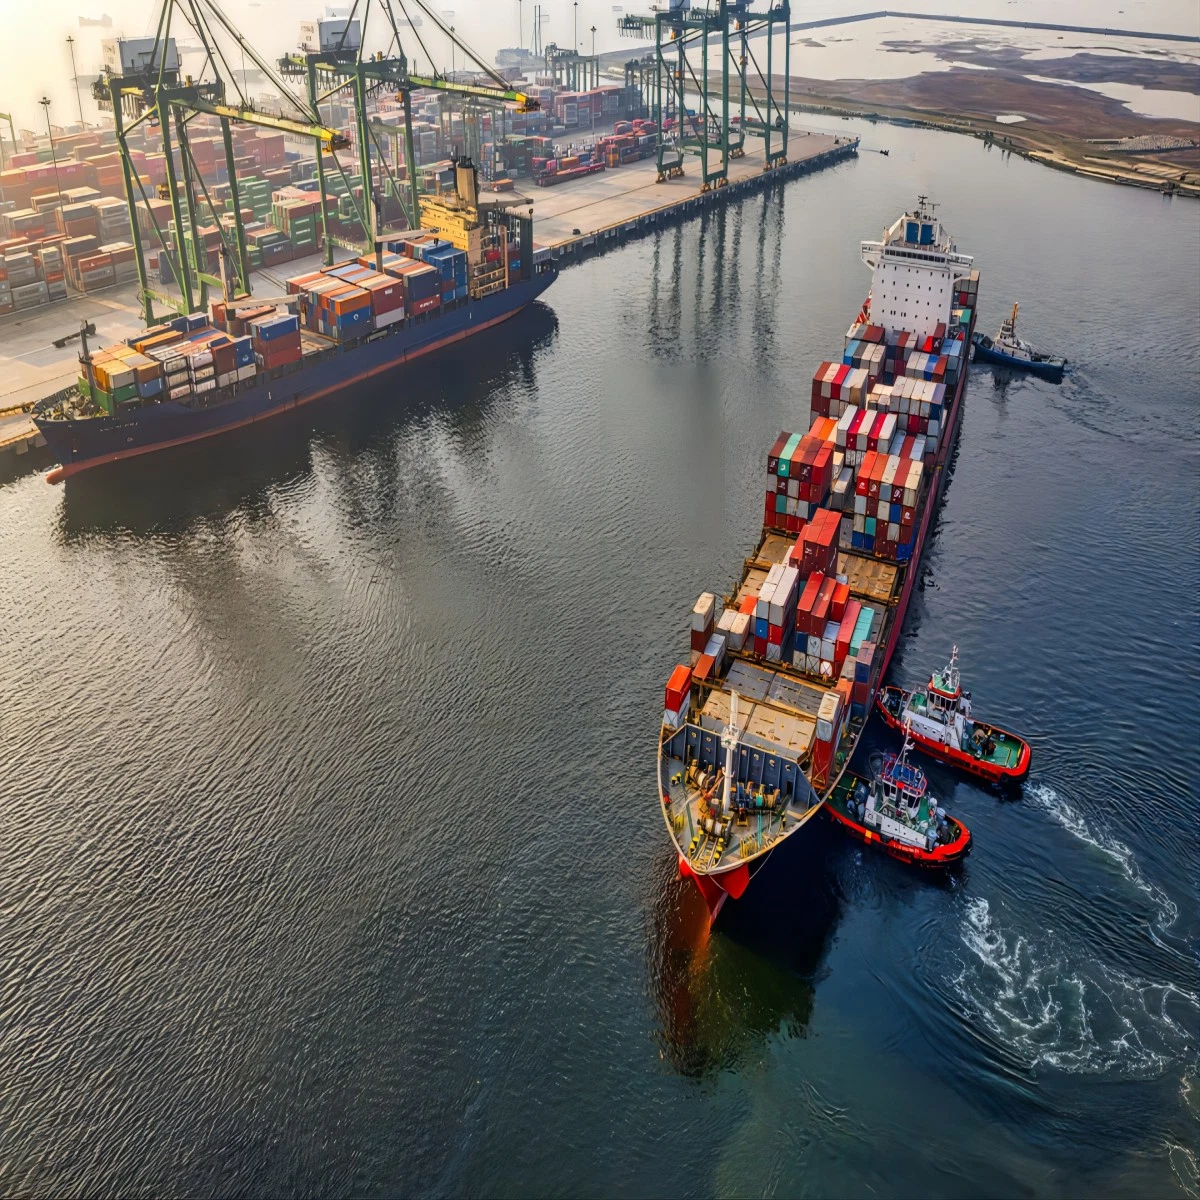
[(84, 443)]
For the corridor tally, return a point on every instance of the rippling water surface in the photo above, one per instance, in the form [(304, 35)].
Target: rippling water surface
[(331, 857)]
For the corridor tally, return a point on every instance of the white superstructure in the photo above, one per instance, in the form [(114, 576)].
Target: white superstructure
[(915, 266)]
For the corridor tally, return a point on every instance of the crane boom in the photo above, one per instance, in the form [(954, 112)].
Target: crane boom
[(331, 139)]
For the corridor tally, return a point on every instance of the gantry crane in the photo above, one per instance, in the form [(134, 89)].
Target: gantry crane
[(327, 72), (713, 27), (157, 92)]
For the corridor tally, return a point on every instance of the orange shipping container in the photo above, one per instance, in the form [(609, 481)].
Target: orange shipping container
[(350, 301)]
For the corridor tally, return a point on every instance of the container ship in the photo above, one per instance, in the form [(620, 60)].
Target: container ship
[(210, 373), (759, 725)]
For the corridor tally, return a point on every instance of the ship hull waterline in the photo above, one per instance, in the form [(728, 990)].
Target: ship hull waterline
[(81, 445)]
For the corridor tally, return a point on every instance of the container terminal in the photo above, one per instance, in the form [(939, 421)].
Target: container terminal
[(192, 188)]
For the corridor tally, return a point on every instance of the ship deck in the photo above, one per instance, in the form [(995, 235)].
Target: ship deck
[(767, 813)]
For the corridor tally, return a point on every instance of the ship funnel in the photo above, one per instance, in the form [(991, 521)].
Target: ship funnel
[(466, 182)]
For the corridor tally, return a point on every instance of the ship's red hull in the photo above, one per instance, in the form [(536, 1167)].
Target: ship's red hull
[(716, 889), (940, 752), (938, 859)]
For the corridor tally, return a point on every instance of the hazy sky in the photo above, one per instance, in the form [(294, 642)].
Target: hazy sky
[(37, 59)]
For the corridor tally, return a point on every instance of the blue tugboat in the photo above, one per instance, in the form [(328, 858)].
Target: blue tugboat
[(1008, 350)]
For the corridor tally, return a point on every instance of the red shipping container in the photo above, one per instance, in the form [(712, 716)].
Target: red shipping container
[(760, 647), (747, 605), (282, 356), (841, 597), (846, 631), (700, 638), (774, 453), (820, 608), (678, 687), (705, 668), (808, 598)]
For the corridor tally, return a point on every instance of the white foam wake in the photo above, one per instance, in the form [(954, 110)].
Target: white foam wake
[(1076, 1016), (1043, 796)]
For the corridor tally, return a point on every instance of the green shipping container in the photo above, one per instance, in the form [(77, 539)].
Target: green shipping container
[(104, 400), (124, 394)]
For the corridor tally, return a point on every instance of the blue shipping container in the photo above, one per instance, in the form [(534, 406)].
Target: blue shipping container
[(269, 331)]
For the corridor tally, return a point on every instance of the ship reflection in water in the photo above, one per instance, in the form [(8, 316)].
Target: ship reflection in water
[(242, 472), (722, 991)]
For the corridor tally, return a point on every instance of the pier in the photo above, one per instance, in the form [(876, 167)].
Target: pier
[(601, 210)]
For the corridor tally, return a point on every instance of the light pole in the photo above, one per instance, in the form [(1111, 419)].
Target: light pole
[(593, 41), (45, 103), (575, 47), (75, 76), (451, 51)]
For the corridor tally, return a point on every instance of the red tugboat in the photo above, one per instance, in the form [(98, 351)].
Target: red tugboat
[(896, 812), (939, 722)]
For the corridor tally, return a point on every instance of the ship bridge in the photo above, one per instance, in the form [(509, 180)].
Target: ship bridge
[(915, 264)]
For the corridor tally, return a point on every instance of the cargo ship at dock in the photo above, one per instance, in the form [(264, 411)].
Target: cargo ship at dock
[(760, 724), (205, 374)]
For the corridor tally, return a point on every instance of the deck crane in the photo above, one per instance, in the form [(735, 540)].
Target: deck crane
[(685, 27), (155, 90)]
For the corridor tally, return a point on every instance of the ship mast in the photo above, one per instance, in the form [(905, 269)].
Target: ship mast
[(729, 739)]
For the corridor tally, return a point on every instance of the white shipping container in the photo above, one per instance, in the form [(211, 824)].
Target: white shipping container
[(703, 612), (762, 606), (247, 372), (715, 649), (829, 641), (389, 318), (740, 633), (774, 653)]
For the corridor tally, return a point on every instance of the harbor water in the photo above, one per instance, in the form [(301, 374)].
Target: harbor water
[(332, 857)]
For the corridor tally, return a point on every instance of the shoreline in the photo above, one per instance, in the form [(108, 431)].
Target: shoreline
[(1044, 149)]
